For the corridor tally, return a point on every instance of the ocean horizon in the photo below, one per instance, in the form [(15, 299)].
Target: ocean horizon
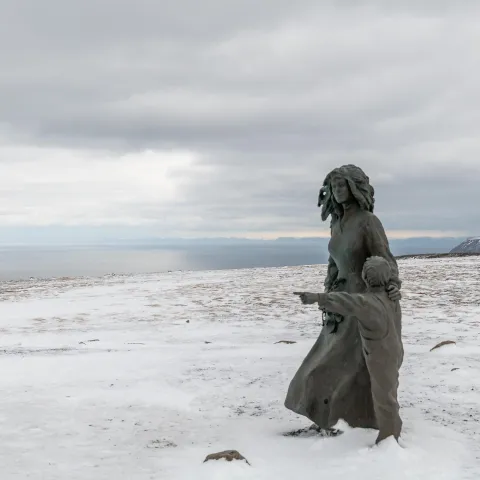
[(25, 262), (19, 262)]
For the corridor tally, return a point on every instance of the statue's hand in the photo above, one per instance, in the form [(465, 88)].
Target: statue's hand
[(394, 293), (307, 298)]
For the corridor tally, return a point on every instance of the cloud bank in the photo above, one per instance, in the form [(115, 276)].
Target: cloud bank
[(222, 118)]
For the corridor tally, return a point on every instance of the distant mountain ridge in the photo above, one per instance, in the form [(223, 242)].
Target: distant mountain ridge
[(413, 245), (470, 245)]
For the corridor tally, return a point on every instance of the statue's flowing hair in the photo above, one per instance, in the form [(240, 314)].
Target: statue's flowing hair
[(359, 185)]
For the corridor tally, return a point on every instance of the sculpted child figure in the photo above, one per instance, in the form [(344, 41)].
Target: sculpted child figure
[(379, 323)]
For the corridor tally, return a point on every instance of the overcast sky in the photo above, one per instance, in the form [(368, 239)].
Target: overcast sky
[(222, 117)]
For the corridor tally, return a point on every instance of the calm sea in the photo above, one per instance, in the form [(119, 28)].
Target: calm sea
[(46, 262)]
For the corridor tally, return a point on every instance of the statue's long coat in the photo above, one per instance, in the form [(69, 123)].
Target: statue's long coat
[(333, 382)]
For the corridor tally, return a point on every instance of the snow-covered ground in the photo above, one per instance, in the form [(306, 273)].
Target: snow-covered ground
[(140, 377)]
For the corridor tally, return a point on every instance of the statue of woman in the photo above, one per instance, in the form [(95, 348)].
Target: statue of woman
[(333, 381)]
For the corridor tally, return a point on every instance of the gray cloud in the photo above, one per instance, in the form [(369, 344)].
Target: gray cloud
[(268, 96)]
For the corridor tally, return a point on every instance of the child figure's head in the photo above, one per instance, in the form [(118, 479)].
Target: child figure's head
[(376, 272)]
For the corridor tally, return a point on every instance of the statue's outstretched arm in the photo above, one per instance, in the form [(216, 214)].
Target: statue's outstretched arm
[(366, 308), (343, 303)]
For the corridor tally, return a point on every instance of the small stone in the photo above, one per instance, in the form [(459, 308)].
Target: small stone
[(288, 342), (314, 431), (228, 455), (442, 344), (162, 444)]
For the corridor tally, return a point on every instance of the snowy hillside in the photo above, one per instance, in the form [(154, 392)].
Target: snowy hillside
[(141, 377), (471, 245)]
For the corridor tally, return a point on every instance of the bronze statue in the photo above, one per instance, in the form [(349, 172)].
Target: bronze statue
[(333, 381), (379, 324)]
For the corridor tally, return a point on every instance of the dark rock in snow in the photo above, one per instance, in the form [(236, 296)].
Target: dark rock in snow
[(442, 344), (228, 455)]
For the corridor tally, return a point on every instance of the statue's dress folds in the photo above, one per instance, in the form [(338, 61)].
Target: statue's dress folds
[(333, 381)]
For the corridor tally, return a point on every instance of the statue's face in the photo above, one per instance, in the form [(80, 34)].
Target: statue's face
[(340, 190)]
